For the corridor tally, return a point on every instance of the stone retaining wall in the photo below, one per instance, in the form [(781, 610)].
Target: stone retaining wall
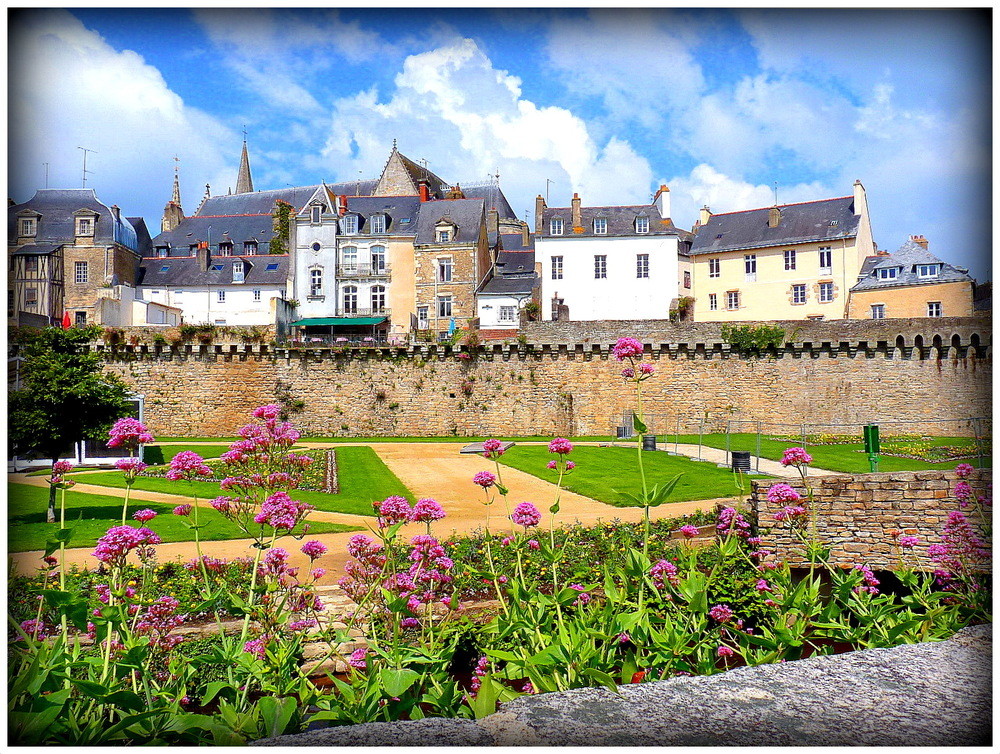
[(856, 513)]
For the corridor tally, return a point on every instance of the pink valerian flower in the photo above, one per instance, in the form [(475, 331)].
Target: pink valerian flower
[(281, 512), (394, 509), (570, 465), (119, 541), (731, 521), (789, 512), (963, 470), (870, 582), (257, 647), (690, 531), (314, 549), (664, 572), (362, 546), (795, 457), (763, 586), (493, 448), (626, 348), (526, 515), (301, 625), (182, 510), (961, 554), (36, 629), (724, 651), (129, 433), (560, 445), (552, 465), (506, 541), (187, 465), (783, 494), (527, 688), (61, 467), (533, 544), (484, 479), (628, 373), (358, 658), (317, 573), (269, 412), (646, 369), (963, 492), (131, 467), (584, 597), (276, 561), (409, 623), (721, 613), (144, 515), (481, 669), (222, 504), (158, 620), (909, 541)]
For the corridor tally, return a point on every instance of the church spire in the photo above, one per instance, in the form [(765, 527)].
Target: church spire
[(176, 196), (244, 183), (172, 213)]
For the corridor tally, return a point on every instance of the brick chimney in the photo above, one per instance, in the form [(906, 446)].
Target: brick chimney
[(577, 215), (525, 239), (116, 211), (662, 201), (539, 210), (704, 215), (455, 192), (919, 240), (860, 199), (424, 189), (202, 255), (493, 221), (773, 217), (341, 205)]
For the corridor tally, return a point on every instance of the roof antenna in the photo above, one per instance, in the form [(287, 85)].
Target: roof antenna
[(547, 182), (85, 171), (775, 193), (46, 174)]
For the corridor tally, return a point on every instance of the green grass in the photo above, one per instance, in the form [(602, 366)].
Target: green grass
[(337, 440), (848, 459), (90, 516), (158, 454), (363, 477), (604, 473)]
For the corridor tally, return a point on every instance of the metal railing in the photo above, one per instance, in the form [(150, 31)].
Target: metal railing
[(359, 312), (363, 270)]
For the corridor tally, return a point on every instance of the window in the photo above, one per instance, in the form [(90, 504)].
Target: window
[(350, 299), (351, 224), (378, 298), (713, 302), (316, 214), (161, 251), (30, 296), (216, 268), (825, 258), (556, 226), (85, 226), (249, 247), (927, 270), (687, 278), (444, 270), (750, 267), (798, 294), (316, 282), (878, 311), (888, 273), (31, 263), (226, 249), (378, 259), (557, 268), (934, 309), (714, 268), (272, 267), (600, 266), (27, 226), (10, 303), (378, 224), (508, 313), (256, 295), (642, 225), (349, 258), (790, 259), (422, 317), (732, 300), (222, 297), (316, 246), (444, 306), (80, 272), (81, 319), (600, 226), (164, 268), (642, 265), (825, 293), (238, 272), (444, 236)]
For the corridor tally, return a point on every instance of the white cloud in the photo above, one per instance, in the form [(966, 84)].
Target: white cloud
[(69, 88), (452, 105)]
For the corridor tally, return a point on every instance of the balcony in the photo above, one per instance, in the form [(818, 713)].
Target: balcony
[(359, 312), (362, 271)]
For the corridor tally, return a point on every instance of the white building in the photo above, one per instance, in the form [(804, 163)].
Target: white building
[(511, 284), (617, 262), (123, 306)]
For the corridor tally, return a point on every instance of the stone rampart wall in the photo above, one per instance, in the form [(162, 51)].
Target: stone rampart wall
[(856, 513)]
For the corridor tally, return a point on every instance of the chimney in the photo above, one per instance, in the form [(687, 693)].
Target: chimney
[(662, 201), (201, 253), (525, 240), (919, 240), (860, 199), (773, 217), (577, 216), (117, 212), (539, 210), (493, 221), (341, 205), (455, 192), (425, 191), (704, 215)]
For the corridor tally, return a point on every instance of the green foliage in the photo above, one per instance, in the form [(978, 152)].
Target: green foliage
[(753, 338), (65, 396), (281, 218)]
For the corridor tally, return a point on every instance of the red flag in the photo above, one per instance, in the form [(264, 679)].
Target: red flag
[(66, 324)]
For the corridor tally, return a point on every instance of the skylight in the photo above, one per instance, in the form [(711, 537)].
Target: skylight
[(164, 268), (273, 266), (216, 268)]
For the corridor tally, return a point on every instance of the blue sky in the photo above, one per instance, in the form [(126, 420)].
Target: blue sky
[(719, 105)]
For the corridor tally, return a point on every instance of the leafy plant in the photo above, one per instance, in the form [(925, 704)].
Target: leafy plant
[(753, 338)]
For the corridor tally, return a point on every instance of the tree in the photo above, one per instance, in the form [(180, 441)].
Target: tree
[(64, 396)]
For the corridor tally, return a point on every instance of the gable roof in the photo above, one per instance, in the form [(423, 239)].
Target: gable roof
[(57, 223), (468, 216), (620, 221), (822, 220), (401, 176), (186, 272), (908, 256), (517, 284)]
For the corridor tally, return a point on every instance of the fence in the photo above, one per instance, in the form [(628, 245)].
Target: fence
[(730, 435)]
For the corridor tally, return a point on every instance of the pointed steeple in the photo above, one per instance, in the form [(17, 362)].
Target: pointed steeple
[(172, 213), (244, 183)]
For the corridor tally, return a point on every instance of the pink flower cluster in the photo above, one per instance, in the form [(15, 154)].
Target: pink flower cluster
[(492, 448), (484, 479), (62, 467), (626, 348), (182, 510), (584, 597), (314, 549), (426, 510), (690, 531), (783, 494), (731, 521), (721, 613), (560, 445), (961, 554), (964, 470), (869, 582), (158, 620), (359, 658), (113, 548), (962, 492), (664, 572), (909, 541), (526, 515), (396, 509), (131, 467), (129, 433), (187, 465), (281, 512), (146, 514), (257, 647), (789, 512), (795, 457)]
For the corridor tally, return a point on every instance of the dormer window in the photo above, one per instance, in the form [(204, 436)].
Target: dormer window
[(249, 247), (238, 272), (642, 224), (928, 270), (85, 226), (556, 226), (226, 249), (27, 226), (161, 251), (378, 224), (444, 235), (350, 224), (316, 216), (600, 226), (888, 273)]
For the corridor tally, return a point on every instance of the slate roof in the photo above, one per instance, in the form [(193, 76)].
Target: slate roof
[(257, 203), (518, 284), (620, 221), (466, 214), (30, 249), (397, 208), (236, 228), (823, 220), (908, 256), (144, 243), (185, 271), (515, 242), (493, 197), (58, 224)]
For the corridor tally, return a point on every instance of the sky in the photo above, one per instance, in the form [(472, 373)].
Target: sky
[(725, 107)]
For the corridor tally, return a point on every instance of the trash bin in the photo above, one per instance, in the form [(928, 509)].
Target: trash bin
[(741, 461), (649, 442)]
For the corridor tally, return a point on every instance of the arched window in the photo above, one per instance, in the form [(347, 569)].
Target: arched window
[(378, 259), (349, 258), (350, 299), (316, 282), (378, 298)]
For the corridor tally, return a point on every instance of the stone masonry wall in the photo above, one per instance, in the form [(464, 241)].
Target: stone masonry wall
[(561, 388), (856, 513)]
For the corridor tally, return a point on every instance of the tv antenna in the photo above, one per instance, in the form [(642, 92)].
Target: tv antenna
[(547, 182), (85, 171), (46, 174)]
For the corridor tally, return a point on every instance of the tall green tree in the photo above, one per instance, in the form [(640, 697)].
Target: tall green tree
[(64, 396)]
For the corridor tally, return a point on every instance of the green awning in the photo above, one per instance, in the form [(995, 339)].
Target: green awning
[(338, 321)]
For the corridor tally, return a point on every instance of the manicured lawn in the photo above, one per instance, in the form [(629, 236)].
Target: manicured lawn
[(91, 515), (604, 473), (849, 459), (337, 440), (363, 479), (156, 454)]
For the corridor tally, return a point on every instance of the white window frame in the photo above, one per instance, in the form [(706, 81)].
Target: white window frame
[(220, 296), (445, 269), (316, 282), (888, 273), (239, 272), (934, 309), (715, 267), (825, 254), (349, 258), (790, 259), (378, 252), (750, 267), (444, 306), (600, 226), (642, 224), (556, 226), (349, 299), (713, 302), (826, 293), (507, 314), (925, 271), (800, 288), (378, 224), (878, 311), (350, 225), (557, 267), (78, 268), (28, 227), (423, 317), (443, 235), (85, 226), (250, 247), (378, 304), (315, 214), (256, 294), (642, 265), (732, 300), (600, 266)]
